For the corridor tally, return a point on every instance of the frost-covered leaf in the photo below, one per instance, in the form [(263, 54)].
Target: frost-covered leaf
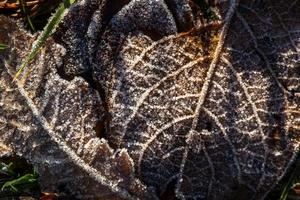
[(214, 110), (145, 98), (54, 123)]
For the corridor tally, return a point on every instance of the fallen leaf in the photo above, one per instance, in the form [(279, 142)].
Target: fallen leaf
[(149, 100)]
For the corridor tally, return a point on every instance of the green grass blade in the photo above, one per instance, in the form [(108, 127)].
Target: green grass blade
[(23, 180), (3, 46), (48, 30), (27, 16), (291, 181)]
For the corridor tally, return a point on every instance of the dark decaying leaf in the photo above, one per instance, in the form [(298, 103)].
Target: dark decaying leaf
[(148, 100), (52, 121)]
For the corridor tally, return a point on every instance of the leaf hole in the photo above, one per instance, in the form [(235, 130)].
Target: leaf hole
[(208, 126), (153, 34), (62, 74), (100, 129), (277, 117), (204, 124)]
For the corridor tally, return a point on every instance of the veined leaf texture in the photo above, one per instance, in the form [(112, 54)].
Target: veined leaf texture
[(148, 99)]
